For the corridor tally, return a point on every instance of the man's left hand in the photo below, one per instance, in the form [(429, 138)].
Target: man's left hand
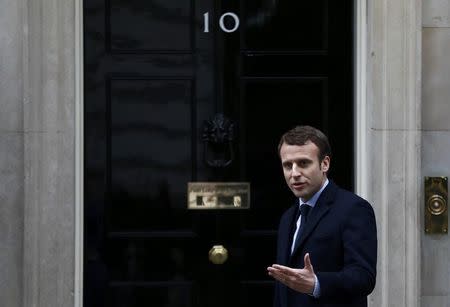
[(301, 280)]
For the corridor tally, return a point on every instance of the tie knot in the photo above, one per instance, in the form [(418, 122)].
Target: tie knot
[(304, 210)]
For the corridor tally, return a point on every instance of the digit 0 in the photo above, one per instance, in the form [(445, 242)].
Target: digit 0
[(236, 22)]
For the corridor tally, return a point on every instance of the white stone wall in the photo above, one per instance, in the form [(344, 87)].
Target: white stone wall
[(435, 249), (393, 146), (11, 154), (37, 153)]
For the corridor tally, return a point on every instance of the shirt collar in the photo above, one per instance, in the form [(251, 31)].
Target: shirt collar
[(312, 201)]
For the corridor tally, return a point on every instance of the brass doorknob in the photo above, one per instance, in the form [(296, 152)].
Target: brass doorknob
[(218, 254)]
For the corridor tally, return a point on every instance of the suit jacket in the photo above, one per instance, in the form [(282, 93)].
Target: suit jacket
[(341, 239)]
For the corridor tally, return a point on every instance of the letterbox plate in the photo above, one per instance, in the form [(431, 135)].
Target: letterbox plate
[(218, 195)]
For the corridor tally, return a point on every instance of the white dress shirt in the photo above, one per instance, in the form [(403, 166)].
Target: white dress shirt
[(311, 202)]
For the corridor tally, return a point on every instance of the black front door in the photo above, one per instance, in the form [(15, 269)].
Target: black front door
[(156, 73)]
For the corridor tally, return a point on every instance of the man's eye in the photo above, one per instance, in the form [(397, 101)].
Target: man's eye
[(287, 166), (303, 163)]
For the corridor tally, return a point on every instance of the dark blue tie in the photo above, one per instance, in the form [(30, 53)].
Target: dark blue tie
[(303, 212)]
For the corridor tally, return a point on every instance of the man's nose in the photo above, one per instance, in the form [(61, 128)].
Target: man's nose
[(295, 170)]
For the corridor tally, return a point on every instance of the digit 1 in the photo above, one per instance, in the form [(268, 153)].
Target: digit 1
[(206, 22)]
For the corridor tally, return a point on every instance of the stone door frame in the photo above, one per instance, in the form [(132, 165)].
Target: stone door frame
[(387, 135)]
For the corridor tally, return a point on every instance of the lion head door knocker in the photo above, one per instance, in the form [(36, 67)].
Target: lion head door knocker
[(218, 135)]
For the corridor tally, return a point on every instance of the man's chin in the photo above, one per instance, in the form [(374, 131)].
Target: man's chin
[(301, 194), (305, 195)]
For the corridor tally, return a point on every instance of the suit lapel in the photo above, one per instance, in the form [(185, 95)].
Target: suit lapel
[(288, 233), (317, 213)]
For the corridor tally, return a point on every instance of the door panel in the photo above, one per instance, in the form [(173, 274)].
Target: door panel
[(285, 26), (153, 78), (141, 26), (146, 156)]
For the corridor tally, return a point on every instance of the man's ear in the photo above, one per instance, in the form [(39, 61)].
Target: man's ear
[(325, 164)]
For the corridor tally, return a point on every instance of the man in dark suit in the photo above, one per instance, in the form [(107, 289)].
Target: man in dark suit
[(327, 241)]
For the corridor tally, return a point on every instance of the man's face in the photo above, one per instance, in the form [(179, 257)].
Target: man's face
[(303, 172)]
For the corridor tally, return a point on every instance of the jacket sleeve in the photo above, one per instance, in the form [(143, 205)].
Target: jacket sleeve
[(358, 274)]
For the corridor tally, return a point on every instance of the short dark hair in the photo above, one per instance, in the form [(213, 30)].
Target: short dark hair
[(300, 135)]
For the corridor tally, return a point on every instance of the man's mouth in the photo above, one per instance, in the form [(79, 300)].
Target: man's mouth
[(299, 185)]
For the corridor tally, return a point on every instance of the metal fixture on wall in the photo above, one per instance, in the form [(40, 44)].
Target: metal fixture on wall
[(436, 208)]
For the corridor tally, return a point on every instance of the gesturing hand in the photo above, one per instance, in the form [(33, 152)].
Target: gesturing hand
[(301, 280)]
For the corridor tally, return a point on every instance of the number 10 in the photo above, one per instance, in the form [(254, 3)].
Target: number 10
[(221, 23)]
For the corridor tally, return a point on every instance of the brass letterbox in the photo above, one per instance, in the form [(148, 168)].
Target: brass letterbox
[(218, 195)]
